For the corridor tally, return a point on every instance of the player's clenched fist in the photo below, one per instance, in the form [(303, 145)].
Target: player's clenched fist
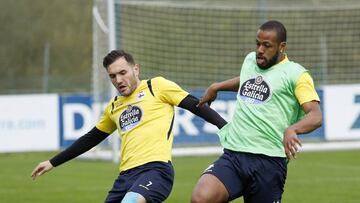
[(41, 168)]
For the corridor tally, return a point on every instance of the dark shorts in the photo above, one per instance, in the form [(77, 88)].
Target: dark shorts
[(257, 177), (153, 181)]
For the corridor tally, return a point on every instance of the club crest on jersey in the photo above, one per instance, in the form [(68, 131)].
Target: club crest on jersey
[(130, 118), (140, 95), (255, 90)]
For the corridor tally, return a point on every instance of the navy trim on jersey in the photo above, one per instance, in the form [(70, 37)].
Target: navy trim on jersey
[(112, 104), (150, 87), (171, 126)]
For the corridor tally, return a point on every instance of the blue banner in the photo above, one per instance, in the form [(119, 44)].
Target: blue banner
[(78, 113)]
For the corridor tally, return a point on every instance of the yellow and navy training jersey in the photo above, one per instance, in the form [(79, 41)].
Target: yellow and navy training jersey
[(144, 121)]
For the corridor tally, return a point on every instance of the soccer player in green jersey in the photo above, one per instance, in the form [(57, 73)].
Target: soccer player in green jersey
[(276, 101), (143, 115)]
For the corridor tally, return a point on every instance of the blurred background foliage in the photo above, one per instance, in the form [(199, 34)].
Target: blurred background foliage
[(27, 28), (47, 45)]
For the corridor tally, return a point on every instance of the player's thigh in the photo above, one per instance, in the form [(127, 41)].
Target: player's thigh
[(120, 188), (220, 181), (133, 197), (209, 189), (155, 182), (267, 185)]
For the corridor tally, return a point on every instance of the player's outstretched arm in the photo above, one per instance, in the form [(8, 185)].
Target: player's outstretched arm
[(211, 92), (41, 168), (83, 144), (190, 103)]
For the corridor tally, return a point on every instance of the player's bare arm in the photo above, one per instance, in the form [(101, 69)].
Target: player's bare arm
[(311, 121), (211, 92)]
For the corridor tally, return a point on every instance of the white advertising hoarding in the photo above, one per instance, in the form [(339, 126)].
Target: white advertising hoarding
[(29, 123), (342, 112)]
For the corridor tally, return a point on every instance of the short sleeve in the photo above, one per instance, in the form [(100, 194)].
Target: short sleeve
[(168, 91), (105, 123), (305, 89)]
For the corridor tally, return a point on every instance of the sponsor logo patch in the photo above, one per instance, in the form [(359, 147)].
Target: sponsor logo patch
[(130, 118), (255, 91)]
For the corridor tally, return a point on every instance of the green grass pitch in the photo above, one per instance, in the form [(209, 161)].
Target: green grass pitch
[(322, 177)]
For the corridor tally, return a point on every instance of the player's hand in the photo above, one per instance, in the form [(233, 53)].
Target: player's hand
[(292, 143), (209, 96), (41, 168)]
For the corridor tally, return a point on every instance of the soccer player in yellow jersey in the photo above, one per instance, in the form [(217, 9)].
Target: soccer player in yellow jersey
[(143, 115)]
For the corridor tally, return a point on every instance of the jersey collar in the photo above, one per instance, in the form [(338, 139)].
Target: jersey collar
[(285, 60)]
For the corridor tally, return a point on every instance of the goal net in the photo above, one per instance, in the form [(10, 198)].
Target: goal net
[(195, 43)]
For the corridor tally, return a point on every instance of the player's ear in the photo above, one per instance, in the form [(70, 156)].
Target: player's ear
[(282, 47), (137, 70)]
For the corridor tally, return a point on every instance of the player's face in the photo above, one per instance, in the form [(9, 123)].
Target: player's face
[(268, 48), (124, 76)]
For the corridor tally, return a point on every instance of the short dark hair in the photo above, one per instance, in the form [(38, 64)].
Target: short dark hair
[(278, 27), (116, 54)]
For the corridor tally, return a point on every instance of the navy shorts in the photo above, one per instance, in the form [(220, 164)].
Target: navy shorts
[(153, 181), (257, 177)]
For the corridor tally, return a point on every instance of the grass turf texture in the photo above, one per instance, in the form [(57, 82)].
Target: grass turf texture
[(329, 177)]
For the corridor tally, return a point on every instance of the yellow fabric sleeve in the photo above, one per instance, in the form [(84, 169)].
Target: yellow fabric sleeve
[(105, 123), (305, 89), (169, 92)]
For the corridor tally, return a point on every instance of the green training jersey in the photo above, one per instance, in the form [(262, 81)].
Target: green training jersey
[(266, 105)]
